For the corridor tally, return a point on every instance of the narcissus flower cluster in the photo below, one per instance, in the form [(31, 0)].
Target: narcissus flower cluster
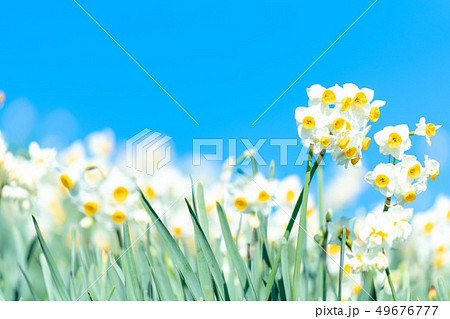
[(404, 180), (337, 120)]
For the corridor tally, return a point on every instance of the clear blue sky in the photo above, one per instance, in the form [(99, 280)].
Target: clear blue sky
[(225, 62)]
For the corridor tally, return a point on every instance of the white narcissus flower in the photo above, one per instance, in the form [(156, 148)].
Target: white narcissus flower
[(409, 169), (378, 231), (383, 179), (73, 153), (348, 147), (318, 95), (360, 258), (118, 187), (323, 140), (288, 191), (89, 202), (309, 120), (252, 195), (263, 193), (101, 144), (431, 168), (72, 175), (393, 140), (407, 192), (335, 229), (355, 98), (380, 262), (427, 130), (43, 158), (400, 217)]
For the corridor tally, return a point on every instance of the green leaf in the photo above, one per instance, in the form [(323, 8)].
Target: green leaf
[(161, 280), (301, 238), (271, 170), (203, 216), (288, 230), (203, 272), (30, 286), (174, 251), (254, 166), (56, 276), (92, 296), (110, 294), (443, 295), (209, 256), (129, 267), (233, 252), (47, 279), (285, 273)]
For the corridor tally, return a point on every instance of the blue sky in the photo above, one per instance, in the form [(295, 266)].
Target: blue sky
[(224, 62)]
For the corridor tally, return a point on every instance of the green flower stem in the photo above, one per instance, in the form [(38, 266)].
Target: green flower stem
[(387, 202), (320, 196), (323, 226), (288, 230), (324, 261), (391, 284), (388, 272), (341, 265), (301, 237)]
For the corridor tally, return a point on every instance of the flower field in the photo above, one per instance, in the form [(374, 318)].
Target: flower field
[(78, 224)]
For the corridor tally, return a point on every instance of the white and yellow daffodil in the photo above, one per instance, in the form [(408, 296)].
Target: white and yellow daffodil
[(393, 140), (426, 129)]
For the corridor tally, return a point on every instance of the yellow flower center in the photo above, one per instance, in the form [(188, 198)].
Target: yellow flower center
[(333, 249), (379, 234), (360, 99), (348, 126), (338, 124), (328, 97), (448, 215), (350, 152), (344, 142), (90, 208), (347, 270), (433, 177), (410, 196), (432, 293), (428, 228), (120, 194), (177, 231), (430, 129), (346, 103), (414, 171), (118, 217), (438, 263), (150, 193), (66, 181), (365, 143), (394, 140), (263, 196), (401, 220), (374, 114), (382, 181), (355, 160), (240, 203), (290, 196), (325, 141), (347, 233), (308, 122), (356, 289)]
